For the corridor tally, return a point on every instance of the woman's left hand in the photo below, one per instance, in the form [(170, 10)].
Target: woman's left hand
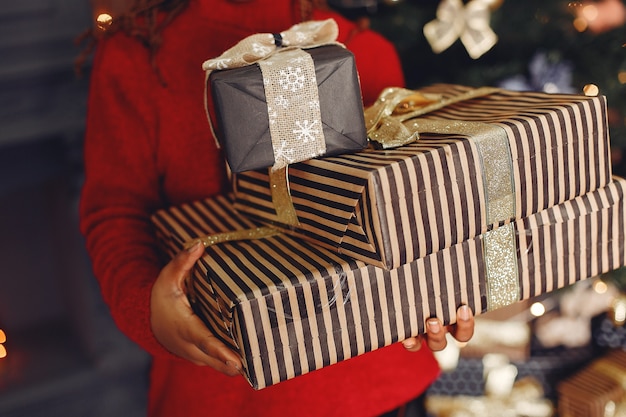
[(435, 335)]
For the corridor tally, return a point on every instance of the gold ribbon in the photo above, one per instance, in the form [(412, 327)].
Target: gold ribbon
[(281, 198), (384, 119), (260, 46), (500, 254), (397, 106), (500, 250), (279, 184), (215, 238), (245, 234), (393, 120)]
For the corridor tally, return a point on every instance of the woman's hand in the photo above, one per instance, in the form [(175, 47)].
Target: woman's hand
[(435, 336), (181, 332), (175, 325)]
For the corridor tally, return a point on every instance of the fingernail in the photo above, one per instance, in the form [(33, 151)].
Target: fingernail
[(464, 313), (235, 366), (433, 326), (412, 345), (409, 345), (194, 246)]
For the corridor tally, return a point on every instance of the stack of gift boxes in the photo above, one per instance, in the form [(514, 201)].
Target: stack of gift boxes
[(492, 197)]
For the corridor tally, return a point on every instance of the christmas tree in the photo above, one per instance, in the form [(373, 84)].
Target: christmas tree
[(538, 45)]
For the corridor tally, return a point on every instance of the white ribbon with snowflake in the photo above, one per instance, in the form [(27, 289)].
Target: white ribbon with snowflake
[(290, 85), (293, 107)]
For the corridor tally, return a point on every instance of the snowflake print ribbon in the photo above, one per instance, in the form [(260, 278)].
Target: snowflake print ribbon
[(469, 22), (293, 107), (290, 85)]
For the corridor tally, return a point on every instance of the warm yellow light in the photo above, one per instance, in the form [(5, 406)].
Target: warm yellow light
[(621, 76), (3, 338), (590, 12), (104, 20), (619, 313), (600, 287), (580, 24), (537, 309), (591, 90)]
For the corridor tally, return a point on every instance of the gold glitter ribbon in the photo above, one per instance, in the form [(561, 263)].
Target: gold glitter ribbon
[(281, 198), (494, 150), (285, 212), (501, 267), (500, 250), (384, 119), (393, 120), (245, 234), (216, 238)]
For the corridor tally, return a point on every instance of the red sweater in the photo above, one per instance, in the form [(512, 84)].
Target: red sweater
[(148, 146)]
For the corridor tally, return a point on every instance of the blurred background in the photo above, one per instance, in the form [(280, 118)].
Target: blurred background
[(60, 354), (64, 356)]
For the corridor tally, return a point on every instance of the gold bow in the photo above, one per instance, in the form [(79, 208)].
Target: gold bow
[(384, 119), (469, 22), (262, 45)]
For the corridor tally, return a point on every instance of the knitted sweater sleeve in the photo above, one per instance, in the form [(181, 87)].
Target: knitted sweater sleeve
[(121, 187)]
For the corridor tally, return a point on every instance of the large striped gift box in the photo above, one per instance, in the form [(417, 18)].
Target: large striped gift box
[(478, 162), (290, 307)]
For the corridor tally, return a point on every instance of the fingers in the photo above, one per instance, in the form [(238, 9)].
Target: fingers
[(463, 330), (435, 335), (180, 267), (175, 325), (413, 344), (207, 350)]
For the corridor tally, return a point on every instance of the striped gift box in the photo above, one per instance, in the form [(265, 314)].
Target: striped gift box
[(597, 390), (290, 307), (391, 207)]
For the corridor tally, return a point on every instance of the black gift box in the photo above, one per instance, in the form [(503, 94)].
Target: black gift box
[(242, 116)]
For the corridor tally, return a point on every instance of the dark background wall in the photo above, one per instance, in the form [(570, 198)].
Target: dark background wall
[(64, 355)]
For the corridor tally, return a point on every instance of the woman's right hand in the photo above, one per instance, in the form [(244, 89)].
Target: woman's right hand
[(175, 325)]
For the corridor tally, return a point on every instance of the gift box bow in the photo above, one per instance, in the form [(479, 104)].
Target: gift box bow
[(260, 46), (290, 86)]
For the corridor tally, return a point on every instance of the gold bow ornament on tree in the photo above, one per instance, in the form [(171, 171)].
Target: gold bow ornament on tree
[(469, 22)]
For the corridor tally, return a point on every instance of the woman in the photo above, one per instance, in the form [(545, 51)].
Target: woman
[(147, 147)]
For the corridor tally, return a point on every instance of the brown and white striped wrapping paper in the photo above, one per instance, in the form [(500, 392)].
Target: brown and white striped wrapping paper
[(290, 307), (390, 207), (598, 390)]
